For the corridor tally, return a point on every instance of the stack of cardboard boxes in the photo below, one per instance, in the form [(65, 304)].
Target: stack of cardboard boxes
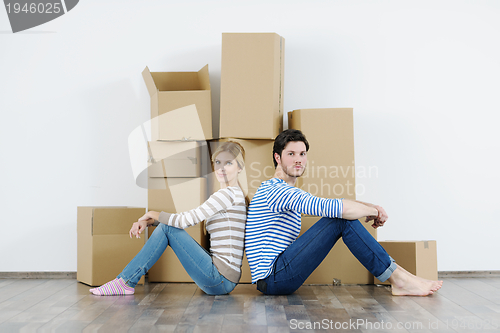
[(251, 106), (180, 172), (181, 122)]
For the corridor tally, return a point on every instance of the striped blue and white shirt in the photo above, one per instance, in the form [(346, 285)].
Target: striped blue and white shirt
[(273, 222)]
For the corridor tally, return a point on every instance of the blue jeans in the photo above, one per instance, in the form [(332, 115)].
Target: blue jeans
[(294, 265), (196, 260)]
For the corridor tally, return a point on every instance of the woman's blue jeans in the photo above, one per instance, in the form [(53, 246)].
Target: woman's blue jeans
[(294, 265), (196, 260)]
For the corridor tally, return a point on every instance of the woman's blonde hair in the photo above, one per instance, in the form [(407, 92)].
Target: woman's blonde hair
[(238, 153)]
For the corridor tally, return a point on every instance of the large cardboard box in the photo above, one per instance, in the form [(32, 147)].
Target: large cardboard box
[(330, 171), (103, 242), (417, 257), (181, 106), (258, 164), (252, 81), (340, 264), (175, 195), (176, 159)]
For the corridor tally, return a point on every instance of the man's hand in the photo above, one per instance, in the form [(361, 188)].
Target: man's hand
[(380, 219), (382, 215), (137, 228)]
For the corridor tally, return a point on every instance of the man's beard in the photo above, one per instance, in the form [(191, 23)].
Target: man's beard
[(294, 175)]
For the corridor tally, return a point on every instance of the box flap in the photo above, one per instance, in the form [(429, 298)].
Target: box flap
[(176, 81), (150, 83), (204, 78)]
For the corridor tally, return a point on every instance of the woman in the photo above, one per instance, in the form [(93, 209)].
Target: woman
[(217, 272)]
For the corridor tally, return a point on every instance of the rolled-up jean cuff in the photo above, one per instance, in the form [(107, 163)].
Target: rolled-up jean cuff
[(388, 272)]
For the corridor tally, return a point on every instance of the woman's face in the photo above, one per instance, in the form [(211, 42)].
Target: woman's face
[(226, 169)]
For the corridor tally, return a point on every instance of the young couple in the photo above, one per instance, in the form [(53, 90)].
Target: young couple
[(279, 261)]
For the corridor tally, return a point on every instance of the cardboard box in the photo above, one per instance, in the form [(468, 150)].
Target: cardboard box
[(176, 159), (258, 164), (181, 106), (417, 257), (330, 171), (246, 275), (103, 242), (340, 264), (174, 195), (252, 81)]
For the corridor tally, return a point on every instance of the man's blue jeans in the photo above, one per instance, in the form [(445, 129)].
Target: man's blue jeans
[(196, 260), (294, 265)]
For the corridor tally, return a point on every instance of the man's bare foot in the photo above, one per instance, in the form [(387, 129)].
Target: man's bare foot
[(406, 284)]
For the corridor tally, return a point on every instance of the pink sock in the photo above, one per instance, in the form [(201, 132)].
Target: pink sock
[(113, 288)]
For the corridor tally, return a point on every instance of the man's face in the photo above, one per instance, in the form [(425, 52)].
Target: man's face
[(293, 158)]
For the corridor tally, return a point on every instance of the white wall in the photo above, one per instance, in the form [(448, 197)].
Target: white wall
[(422, 77)]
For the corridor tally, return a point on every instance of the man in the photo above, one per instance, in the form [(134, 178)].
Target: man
[(279, 262)]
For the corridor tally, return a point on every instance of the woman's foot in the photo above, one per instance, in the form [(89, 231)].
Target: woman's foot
[(113, 288), (406, 284)]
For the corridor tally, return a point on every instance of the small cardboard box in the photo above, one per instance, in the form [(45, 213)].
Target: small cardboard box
[(103, 242), (340, 264), (175, 159), (181, 106), (330, 171), (417, 257), (252, 81), (258, 164)]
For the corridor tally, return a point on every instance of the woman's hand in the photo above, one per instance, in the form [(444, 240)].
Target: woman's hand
[(138, 227), (147, 219)]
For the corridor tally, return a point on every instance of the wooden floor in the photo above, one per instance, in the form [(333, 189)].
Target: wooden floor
[(462, 305)]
